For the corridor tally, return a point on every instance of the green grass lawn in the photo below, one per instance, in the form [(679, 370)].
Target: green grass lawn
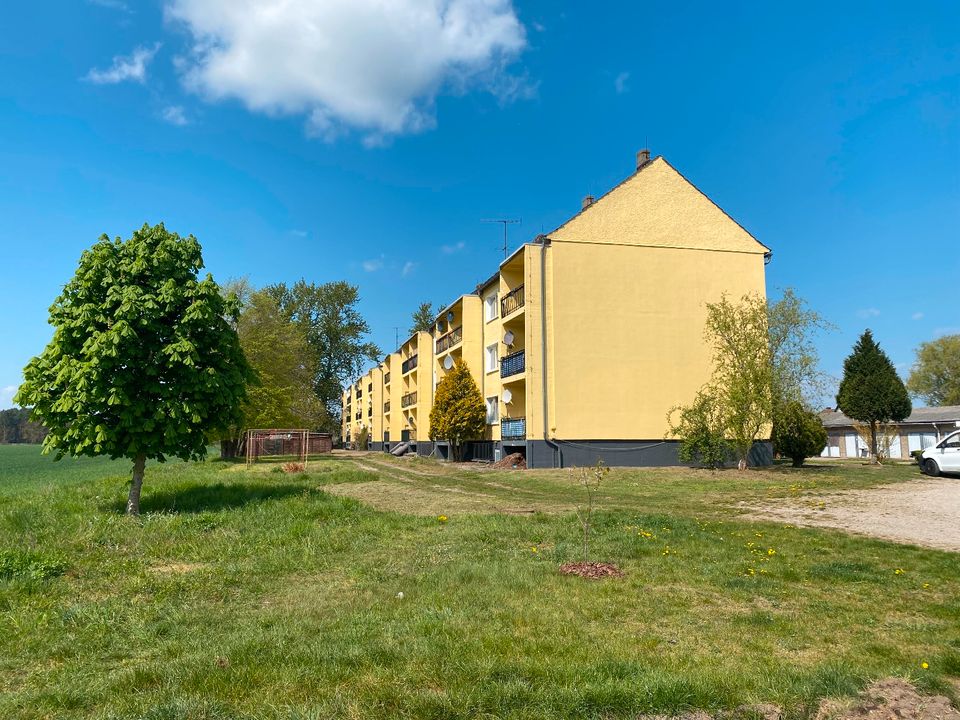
[(257, 594)]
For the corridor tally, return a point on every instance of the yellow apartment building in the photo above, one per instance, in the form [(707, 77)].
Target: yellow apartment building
[(583, 339)]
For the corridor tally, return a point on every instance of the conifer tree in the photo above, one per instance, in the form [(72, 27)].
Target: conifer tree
[(871, 391), (458, 414)]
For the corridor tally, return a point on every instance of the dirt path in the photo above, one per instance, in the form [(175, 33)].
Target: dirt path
[(924, 512)]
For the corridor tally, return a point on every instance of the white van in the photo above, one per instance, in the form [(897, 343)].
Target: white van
[(942, 457)]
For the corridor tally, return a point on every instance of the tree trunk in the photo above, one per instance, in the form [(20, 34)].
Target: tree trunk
[(742, 464), (229, 448), (798, 461), (133, 500), (873, 441)]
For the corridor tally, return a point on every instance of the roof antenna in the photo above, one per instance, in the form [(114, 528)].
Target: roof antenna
[(505, 222)]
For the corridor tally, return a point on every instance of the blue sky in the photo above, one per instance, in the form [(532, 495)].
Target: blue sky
[(324, 140)]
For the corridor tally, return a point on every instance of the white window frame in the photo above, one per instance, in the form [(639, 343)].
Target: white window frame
[(491, 309), (493, 410), (491, 358)]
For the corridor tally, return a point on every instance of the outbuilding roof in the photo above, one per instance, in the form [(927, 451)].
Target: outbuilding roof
[(944, 414)]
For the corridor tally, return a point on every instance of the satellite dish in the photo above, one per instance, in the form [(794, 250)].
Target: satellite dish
[(448, 362), (450, 317), (507, 396), (508, 338)]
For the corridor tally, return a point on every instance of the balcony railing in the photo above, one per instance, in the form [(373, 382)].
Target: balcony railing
[(408, 364), (512, 364), (408, 400), (358, 416), (386, 406), (386, 378), (512, 301), (513, 428), (450, 339)]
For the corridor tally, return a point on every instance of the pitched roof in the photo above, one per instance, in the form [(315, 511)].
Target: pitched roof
[(677, 181), (945, 414)]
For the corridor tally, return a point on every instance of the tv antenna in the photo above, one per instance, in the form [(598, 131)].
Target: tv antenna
[(396, 336), (505, 222)]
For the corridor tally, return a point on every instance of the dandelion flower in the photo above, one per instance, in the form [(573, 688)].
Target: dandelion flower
[(924, 665), (533, 549), (771, 551), (441, 518), (898, 571)]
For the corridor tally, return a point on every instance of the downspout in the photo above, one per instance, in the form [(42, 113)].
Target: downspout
[(557, 453)]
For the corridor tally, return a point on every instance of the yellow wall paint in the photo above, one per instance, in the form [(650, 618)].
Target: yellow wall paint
[(657, 207), (628, 333)]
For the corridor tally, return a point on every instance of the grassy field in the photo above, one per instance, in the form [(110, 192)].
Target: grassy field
[(257, 594)]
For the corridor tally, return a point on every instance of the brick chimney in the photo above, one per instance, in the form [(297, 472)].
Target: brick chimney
[(587, 202), (643, 157)]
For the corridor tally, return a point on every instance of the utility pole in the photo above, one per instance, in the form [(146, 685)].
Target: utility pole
[(505, 222)]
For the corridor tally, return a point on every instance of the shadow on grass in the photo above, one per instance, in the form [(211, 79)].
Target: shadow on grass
[(212, 497)]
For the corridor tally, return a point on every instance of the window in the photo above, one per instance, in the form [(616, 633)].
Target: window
[(493, 411), (490, 304), (492, 357)]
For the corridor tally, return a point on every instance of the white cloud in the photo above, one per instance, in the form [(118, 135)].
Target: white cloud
[(373, 265), (6, 396), (451, 249), (620, 83), (125, 67), (299, 233), (868, 312), (175, 115), (408, 267), (366, 64), (917, 316)]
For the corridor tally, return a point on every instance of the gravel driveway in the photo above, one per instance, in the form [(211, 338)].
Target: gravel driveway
[(922, 512)]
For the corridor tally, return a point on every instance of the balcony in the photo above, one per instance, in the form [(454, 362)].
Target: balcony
[(408, 400), (408, 365), (513, 428), (358, 416), (513, 364), (386, 407), (386, 378), (370, 412), (449, 340), (359, 394), (512, 301)]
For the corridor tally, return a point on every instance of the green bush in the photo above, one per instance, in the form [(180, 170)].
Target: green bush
[(363, 440), (22, 565), (798, 433), (701, 432)]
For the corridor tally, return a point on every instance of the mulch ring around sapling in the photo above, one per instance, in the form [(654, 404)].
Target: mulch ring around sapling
[(591, 570)]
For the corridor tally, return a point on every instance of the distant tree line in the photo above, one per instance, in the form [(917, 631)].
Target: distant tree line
[(16, 427)]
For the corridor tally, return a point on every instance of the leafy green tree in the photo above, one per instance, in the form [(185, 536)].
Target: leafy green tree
[(742, 380), (871, 391), (799, 433), (335, 330), (935, 376), (701, 428), (144, 362), (458, 414), (284, 364), (792, 328), (422, 318)]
